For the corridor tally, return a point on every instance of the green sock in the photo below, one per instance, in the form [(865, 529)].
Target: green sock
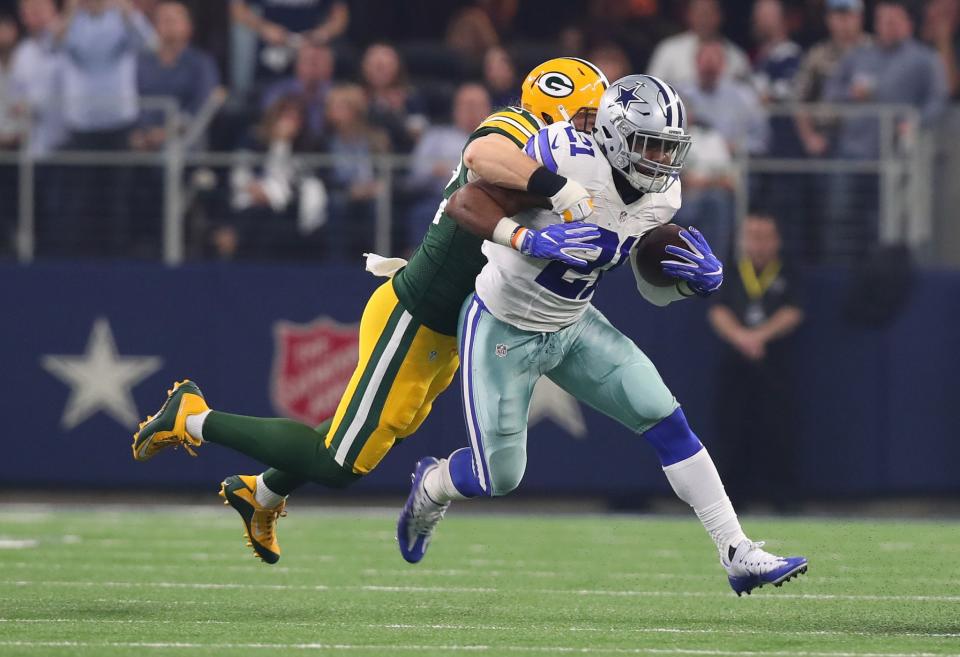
[(291, 447), (282, 483)]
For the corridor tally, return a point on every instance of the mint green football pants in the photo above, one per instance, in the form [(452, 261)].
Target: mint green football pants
[(500, 365)]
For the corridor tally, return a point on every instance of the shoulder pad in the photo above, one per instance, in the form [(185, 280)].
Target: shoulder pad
[(565, 151), (516, 123)]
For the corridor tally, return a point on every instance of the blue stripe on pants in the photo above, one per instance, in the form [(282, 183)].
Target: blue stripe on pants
[(467, 338)]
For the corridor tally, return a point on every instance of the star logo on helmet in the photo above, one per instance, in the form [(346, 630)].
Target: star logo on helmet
[(628, 96)]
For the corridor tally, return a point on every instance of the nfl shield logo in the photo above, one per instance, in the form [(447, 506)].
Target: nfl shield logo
[(501, 351), (312, 364)]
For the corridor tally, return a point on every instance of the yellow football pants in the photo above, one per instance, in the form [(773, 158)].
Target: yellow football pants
[(403, 367)]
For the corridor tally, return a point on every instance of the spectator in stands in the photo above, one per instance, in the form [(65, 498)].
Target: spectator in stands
[(282, 26), (311, 83), (674, 59), (896, 68), (572, 41), (35, 90), (352, 182), (941, 29), (845, 24), (777, 58), (100, 41), (611, 60), (725, 104), (471, 33), (637, 26), (395, 106), (9, 124), (503, 15), (500, 77), (437, 155), (175, 70), (776, 61), (755, 311), (708, 186), (278, 204), (817, 132), (35, 77)]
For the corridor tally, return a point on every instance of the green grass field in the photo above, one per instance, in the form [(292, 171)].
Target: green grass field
[(167, 582)]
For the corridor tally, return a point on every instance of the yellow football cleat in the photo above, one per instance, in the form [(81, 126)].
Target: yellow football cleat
[(168, 428), (260, 522)]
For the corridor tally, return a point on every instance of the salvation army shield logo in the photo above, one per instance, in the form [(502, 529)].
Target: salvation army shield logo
[(312, 365)]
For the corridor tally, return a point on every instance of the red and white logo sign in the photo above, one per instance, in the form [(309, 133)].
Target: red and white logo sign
[(312, 365)]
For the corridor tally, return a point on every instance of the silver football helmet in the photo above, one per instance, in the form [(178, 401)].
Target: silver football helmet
[(641, 129)]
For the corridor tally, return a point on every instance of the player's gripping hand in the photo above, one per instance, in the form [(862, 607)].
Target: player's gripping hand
[(569, 243), (702, 270), (572, 202)]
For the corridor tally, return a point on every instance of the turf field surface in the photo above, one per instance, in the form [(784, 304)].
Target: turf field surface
[(171, 581)]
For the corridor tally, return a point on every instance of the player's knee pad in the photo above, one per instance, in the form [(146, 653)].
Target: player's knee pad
[(673, 439), (644, 393), (506, 467), (398, 420)]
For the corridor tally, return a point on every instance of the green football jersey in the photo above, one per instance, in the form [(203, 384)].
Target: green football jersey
[(443, 270)]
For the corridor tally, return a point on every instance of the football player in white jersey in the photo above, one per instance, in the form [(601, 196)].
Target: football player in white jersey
[(531, 318)]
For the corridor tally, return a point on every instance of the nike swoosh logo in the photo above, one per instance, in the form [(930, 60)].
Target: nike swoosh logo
[(553, 144)]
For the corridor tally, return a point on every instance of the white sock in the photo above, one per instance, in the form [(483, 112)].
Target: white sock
[(696, 481), (195, 424), (265, 496), (439, 484)]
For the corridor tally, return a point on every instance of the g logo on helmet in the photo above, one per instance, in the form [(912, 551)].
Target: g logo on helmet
[(555, 84)]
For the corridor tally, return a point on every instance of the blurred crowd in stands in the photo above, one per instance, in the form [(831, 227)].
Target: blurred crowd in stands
[(277, 81)]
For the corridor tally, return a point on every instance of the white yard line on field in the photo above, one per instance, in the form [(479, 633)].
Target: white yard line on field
[(474, 589), (778, 595), (229, 563), (614, 576), (494, 628), (271, 587), (201, 512), (479, 648), (66, 557), (252, 567)]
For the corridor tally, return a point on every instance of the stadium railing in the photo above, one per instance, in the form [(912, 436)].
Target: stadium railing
[(835, 206), (891, 195)]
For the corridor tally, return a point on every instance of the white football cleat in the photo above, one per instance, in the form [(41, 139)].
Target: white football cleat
[(420, 515), (750, 567)]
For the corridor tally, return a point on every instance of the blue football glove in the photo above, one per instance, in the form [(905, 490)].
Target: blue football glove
[(702, 271), (568, 243)]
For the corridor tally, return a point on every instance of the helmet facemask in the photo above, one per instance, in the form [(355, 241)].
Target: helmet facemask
[(650, 161)]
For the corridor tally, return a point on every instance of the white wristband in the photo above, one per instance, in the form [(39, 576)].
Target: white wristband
[(503, 233)]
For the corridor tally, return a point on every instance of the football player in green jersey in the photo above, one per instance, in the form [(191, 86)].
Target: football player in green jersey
[(408, 343)]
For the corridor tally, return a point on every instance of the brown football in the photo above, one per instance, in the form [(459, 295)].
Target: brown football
[(651, 251)]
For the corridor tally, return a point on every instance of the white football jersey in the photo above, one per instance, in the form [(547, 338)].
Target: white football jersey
[(546, 295)]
